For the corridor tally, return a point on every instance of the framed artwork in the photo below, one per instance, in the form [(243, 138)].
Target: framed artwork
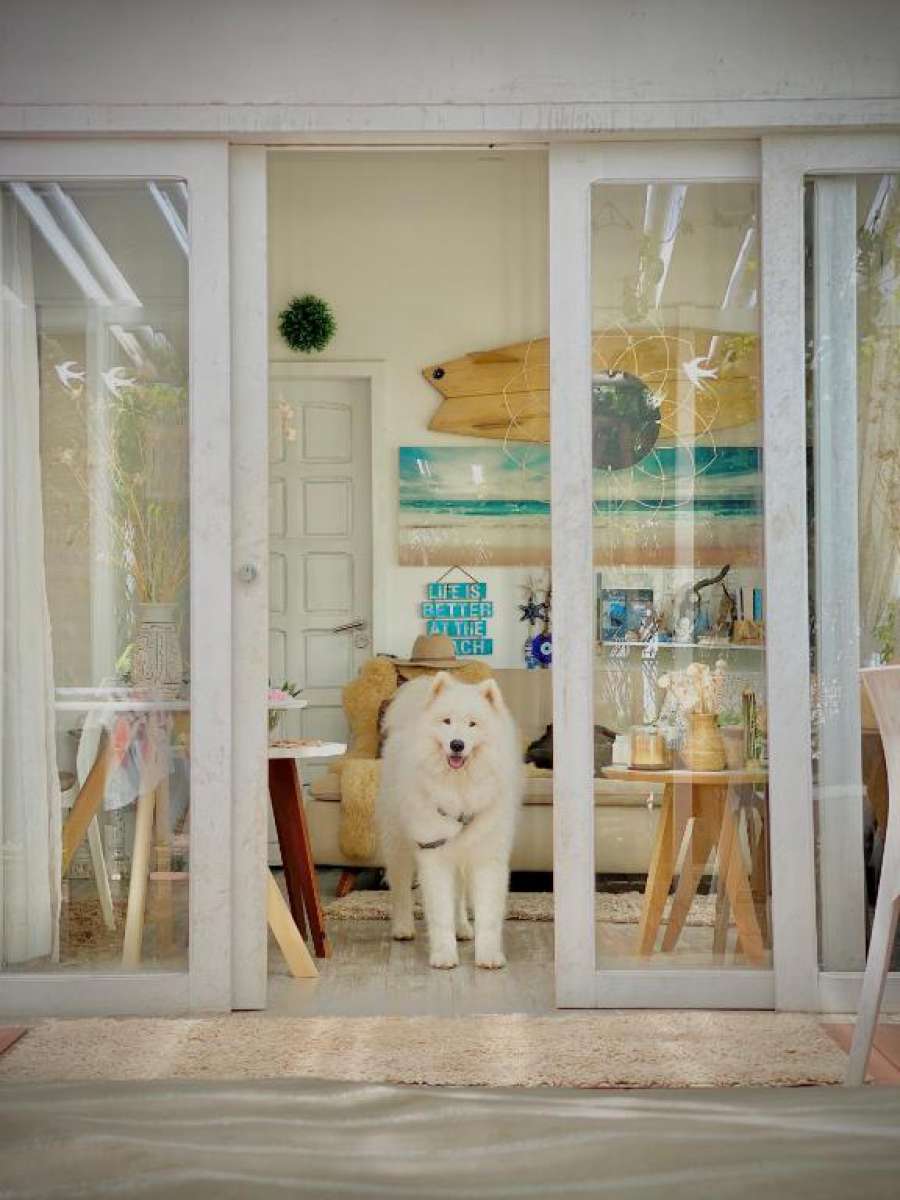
[(490, 506)]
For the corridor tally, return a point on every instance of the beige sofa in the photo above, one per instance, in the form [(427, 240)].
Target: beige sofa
[(625, 814)]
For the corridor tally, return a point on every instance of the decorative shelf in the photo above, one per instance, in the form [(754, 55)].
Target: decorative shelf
[(726, 646)]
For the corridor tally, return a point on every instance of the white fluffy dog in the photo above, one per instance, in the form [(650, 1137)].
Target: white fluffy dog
[(451, 784)]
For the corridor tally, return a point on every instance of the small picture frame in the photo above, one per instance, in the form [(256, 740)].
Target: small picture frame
[(622, 613)]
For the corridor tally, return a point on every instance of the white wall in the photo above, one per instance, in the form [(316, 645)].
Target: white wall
[(289, 64), (423, 256)]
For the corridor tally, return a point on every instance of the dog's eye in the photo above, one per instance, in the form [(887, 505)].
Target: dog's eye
[(447, 721), (472, 724)]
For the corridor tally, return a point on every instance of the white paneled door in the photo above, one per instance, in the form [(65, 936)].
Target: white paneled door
[(320, 538)]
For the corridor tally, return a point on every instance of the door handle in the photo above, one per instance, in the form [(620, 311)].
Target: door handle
[(359, 623)]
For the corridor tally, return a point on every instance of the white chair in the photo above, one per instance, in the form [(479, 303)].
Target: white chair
[(883, 686)]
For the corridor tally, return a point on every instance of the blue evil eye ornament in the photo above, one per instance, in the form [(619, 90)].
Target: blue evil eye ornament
[(542, 648)]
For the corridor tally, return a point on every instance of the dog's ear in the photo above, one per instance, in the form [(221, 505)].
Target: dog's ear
[(438, 683), (492, 694)]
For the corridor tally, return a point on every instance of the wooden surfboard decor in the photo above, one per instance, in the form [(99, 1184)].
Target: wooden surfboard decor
[(505, 393)]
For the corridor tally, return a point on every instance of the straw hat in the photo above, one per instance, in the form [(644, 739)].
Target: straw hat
[(431, 650)]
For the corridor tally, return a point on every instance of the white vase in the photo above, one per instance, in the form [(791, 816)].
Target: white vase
[(156, 660)]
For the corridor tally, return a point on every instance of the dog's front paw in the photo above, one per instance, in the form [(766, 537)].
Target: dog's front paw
[(444, 962), (491, 958), (444, 958), (403, 933)]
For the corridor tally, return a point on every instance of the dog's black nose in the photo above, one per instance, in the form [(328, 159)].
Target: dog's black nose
[(457, 746)]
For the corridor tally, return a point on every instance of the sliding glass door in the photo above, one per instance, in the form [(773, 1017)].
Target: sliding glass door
[(114, 803), (660, 572)]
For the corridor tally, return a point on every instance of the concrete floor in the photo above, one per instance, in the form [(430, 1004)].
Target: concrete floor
[(316, 1139)]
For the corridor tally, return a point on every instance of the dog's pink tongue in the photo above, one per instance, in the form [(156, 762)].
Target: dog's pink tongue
[(456, 761)]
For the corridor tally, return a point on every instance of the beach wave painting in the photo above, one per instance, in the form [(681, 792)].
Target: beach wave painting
[(462, 505)]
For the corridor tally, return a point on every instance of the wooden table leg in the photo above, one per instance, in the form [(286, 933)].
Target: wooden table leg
[(286, 793), (140, 874), (703, 837), (759, 870), (723, 906), (165, 915), (88, 802), (737, 888), (287, 935), (659, 876)]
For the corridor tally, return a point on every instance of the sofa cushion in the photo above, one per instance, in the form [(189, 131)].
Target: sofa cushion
[(538, 791)]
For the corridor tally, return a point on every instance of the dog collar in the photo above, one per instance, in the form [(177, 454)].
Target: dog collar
[(464, 819)]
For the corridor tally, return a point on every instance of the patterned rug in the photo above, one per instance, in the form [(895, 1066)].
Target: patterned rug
[(616, 908)]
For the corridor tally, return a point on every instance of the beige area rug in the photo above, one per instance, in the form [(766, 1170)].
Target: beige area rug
[(589, 1050), (617, 908)]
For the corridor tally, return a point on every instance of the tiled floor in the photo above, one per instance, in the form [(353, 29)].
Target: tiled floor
[(884, 1064)]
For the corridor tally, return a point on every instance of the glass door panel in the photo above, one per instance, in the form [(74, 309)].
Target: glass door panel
[(853, 405), (95, 800), (680, 762)]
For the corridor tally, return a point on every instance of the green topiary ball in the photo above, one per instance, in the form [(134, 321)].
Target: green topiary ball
[(307, 323)]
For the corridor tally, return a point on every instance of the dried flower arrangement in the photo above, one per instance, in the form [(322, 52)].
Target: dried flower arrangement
[(135, 474), (696, 689)]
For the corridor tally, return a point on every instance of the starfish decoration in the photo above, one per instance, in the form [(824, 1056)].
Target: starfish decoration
[(531, 612)]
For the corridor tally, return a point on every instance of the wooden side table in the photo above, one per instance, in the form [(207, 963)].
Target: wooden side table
[(715, 798), (89, 803), (286, 794)]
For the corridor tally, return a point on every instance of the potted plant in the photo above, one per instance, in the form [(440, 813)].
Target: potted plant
[(277, 695)]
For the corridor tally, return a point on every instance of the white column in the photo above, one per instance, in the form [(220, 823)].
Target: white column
[(250, 646), (573, 617), (836, 662)]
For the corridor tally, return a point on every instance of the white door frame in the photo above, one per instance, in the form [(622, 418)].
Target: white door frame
[(786, 162), (250, 642), (573, 169), (203, 165)]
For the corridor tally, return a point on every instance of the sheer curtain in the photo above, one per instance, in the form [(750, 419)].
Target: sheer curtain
[(30, 820), (879, 417)]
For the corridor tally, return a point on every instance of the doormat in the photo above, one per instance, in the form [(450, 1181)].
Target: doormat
[(585, 1050), (616, 908)]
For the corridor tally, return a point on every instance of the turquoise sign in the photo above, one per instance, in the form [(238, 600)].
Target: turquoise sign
[(461, 611)]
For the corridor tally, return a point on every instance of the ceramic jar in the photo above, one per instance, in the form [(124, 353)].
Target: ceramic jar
[(733, 739), (703, 749), (156, 659)]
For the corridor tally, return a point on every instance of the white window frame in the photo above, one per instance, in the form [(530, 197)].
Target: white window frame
[(207, 983)]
